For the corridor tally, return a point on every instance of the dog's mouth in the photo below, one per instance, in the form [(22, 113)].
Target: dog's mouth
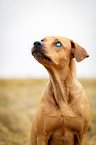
[(40, 55)]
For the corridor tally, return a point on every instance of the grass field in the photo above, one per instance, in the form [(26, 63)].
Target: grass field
[(18, 103)]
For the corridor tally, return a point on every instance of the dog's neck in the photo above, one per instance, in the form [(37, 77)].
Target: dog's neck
[(61, 80)]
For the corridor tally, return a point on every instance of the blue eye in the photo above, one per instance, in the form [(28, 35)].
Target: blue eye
[(57, 44)]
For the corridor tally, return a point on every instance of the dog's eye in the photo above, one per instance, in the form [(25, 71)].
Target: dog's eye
[(57, 44)]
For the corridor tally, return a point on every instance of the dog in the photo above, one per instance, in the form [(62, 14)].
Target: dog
[(63, 114)]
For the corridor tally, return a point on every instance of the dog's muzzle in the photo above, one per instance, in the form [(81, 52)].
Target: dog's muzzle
[(37, 47), (38, 51)]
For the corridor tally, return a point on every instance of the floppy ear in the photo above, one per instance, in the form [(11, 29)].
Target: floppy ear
[(78, 52)]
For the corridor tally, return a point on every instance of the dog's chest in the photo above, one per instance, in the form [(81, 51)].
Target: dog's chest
[(63, 128), (57, 119)]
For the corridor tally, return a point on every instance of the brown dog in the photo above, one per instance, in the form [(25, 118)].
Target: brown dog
[(63, 114)]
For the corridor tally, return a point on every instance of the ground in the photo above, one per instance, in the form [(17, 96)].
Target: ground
[(19, 99)]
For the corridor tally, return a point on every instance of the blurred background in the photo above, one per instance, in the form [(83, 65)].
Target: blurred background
[(22, 78)]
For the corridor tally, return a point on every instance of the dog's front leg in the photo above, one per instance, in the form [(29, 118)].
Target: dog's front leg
[(83, 140), (42, 140), (33, 135)]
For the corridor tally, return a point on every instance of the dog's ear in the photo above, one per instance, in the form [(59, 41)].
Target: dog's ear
[(78, 52)]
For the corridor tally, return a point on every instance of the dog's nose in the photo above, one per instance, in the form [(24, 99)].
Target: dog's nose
[(38, 44)]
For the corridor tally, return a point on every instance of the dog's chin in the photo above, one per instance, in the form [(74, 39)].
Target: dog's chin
[(40, 56)]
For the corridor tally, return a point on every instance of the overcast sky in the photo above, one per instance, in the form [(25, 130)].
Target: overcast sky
[(24, 21)]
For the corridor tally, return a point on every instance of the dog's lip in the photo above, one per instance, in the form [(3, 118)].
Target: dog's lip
[(40, 55)]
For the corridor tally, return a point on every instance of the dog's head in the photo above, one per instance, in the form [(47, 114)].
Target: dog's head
[(57, 51)]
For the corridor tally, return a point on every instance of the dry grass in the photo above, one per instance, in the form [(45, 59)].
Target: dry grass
[(18, 103)]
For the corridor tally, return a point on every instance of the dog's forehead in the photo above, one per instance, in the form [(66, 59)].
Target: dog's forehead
[(51, 39)]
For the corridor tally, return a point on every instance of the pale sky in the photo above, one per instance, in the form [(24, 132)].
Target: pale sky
[(24, 21)]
